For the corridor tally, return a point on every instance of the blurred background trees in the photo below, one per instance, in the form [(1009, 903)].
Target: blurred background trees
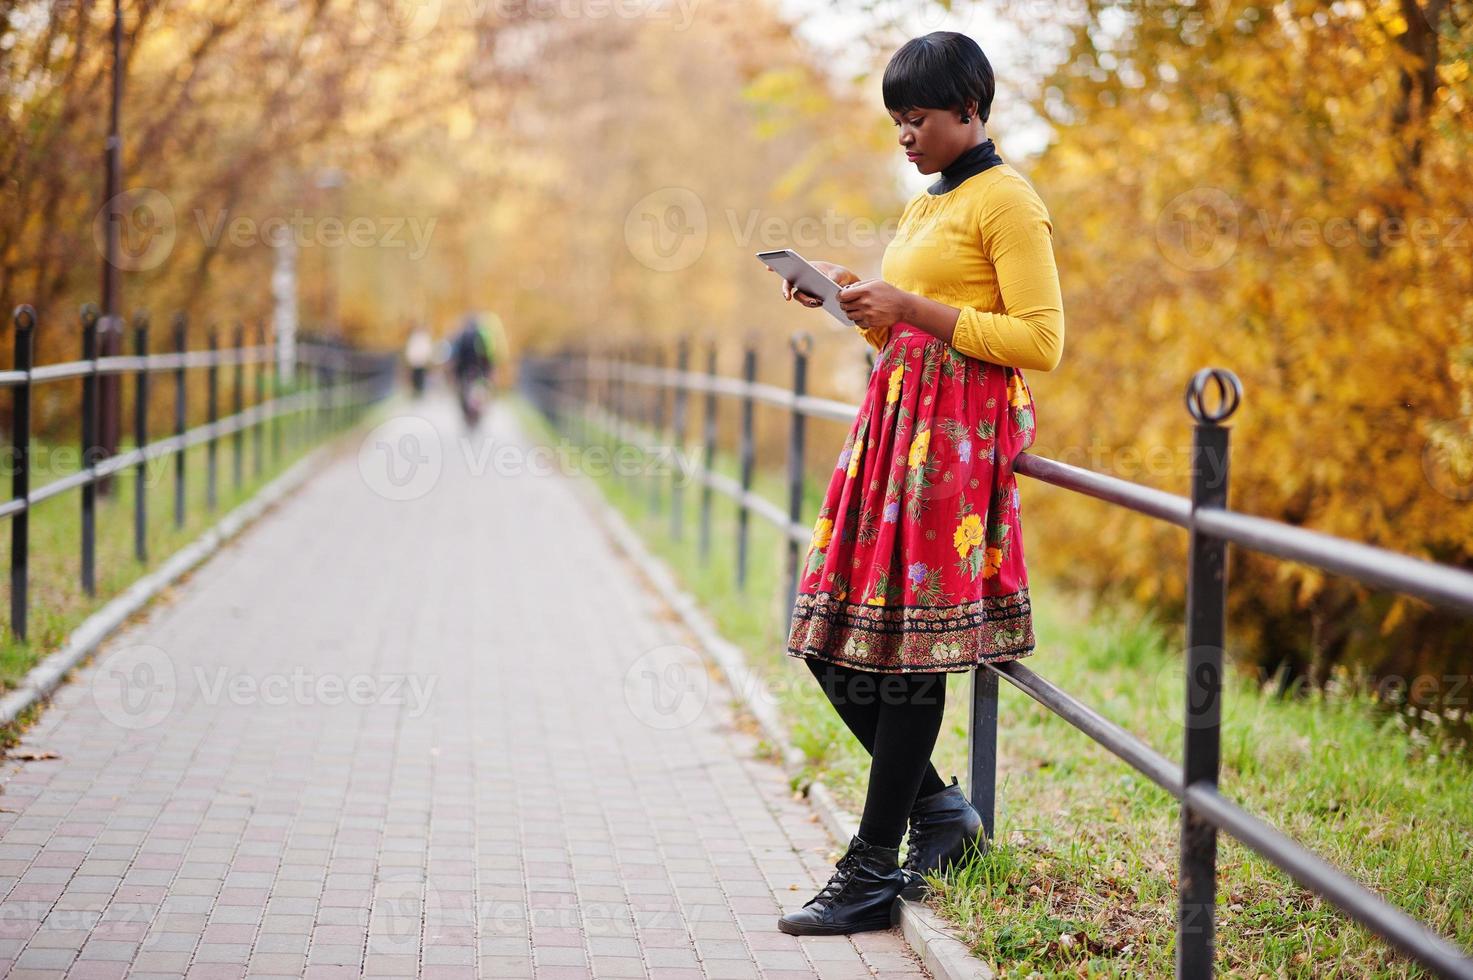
[(1280, 189)]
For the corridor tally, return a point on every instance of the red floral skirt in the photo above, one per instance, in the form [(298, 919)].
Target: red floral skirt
[(916, 562)]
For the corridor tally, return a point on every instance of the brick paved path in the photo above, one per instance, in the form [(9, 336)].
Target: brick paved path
[(409, 737)]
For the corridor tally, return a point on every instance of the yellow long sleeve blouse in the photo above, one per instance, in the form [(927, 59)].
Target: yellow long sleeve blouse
[(985, 247)]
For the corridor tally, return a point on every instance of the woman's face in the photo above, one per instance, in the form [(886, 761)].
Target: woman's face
[(932, 138)]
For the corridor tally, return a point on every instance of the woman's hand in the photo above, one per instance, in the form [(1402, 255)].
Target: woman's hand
[(837, 273), (874, 303)]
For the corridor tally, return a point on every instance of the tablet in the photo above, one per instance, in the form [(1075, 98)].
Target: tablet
[(796, 270)]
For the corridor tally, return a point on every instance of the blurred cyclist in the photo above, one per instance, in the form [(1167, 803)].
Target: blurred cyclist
[(471, 362)]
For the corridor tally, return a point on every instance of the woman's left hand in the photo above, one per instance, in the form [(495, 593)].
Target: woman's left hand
[(873, 303)]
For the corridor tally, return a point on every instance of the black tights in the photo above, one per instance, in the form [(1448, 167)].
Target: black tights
[(897, 718)]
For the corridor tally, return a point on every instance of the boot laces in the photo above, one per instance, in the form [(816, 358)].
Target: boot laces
[(916, 838), (838, 881)]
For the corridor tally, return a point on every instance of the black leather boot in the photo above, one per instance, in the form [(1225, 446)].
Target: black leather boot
[(945, 830), (859, 897)]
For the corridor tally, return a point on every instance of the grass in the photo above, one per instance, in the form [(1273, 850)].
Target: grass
[(57, 602), (1081, 878)]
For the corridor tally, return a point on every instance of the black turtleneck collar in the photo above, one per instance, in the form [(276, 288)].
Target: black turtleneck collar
[(968, 163)]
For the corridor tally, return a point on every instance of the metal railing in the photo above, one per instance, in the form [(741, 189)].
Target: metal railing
[(624, 389), (332, 385)]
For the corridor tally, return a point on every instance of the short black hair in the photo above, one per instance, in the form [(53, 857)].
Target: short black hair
[(940, 70)]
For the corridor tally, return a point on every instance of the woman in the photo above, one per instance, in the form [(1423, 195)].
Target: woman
[(916, 566)]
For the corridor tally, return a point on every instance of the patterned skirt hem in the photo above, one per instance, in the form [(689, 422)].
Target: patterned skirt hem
[(915, 638), (955, 668)]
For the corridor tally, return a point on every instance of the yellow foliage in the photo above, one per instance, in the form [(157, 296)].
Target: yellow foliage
[(1277, 207)]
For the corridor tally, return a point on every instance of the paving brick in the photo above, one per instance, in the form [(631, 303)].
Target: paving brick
[(408, 738)]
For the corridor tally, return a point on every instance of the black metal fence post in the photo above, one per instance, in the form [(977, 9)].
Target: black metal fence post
[(611, 401), (305, 423), (982, 750), (657, 430), (181, 388), (608, 383), (301, 382), (623, 409), (347, 393), (328, 378), (273, 364), (320, 385), (586, 389), (635, 416), (20, 477), (237, 438), (1206, 619), (708, 452), (550, 371), (89, 449), (748, 455), (140, 439), (802, 344), (258, 431), (335, 385), (212, 409), (678, 470)]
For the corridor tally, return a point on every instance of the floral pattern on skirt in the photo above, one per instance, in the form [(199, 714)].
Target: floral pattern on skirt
[(916, 561)]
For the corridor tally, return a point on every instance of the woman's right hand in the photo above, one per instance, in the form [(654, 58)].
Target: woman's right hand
[(837, 273)]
